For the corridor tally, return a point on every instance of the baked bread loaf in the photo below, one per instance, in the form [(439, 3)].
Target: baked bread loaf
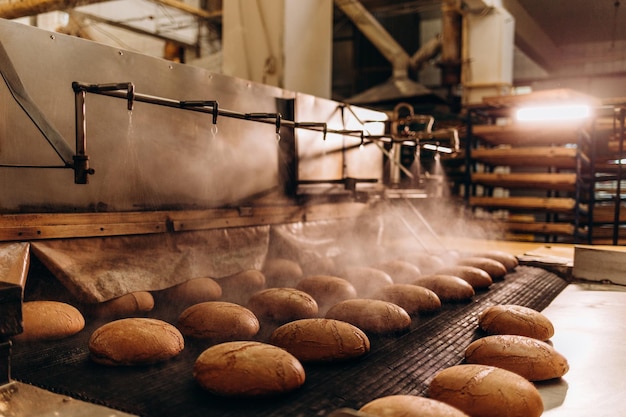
[(371, 316), (515, 319), (412, 298), (135, 341), (248, 369), (49, 320), (128, 305), (409, 406), (327, 290), (447, 287), (401, 272), (509, 261), (281, 272), (476, 277), (280, 305), (495, 269), (193, 291), (218, 321), (239, 287), (321, 340), (486, 391), (531, 358)]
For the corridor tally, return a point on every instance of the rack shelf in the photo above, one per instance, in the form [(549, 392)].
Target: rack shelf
[(540, 172)]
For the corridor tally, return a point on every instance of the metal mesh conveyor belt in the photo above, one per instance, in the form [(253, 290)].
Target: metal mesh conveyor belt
[(399, 364)]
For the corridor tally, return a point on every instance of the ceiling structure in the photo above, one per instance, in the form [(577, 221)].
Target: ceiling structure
[(563, 37)]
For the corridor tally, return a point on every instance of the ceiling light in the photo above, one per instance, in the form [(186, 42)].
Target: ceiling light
[(554, 113)]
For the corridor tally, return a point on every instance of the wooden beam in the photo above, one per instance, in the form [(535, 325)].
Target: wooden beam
[(27, 227)]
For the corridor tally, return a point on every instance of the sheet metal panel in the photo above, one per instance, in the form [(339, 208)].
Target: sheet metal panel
[(152, 157)]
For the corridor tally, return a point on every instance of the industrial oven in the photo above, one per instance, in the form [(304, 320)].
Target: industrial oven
[(122, 172)]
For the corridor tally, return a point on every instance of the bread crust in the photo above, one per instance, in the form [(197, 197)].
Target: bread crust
[(371, 316), (248, 369), (218, 321), (135, 341), (49, 320), (321, 340)]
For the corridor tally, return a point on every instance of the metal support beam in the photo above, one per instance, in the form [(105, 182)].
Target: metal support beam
[(531, 39)]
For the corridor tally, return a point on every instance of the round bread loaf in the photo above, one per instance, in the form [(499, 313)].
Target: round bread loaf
[(400, 271), (248, 369), (128, 305), (366, 280), (412, 298), (239, 287), (135, 341), (427, 263), (476, 277), (193, 291), (321, 340), (218, 321), (515, 319), (280, 272), (280, 305), (371, 316), (410, 406), (49, 320), (486, 391), (327, 290), (494, 268), (531, 358), (509, 261), (447, 287)]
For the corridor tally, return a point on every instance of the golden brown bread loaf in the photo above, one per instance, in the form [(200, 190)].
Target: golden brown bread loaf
[(476, 277), (509, 261), (280, 305), (486, 391), (400, 271), (49, 320), (321, 340), (327, 290), (371, 316), (280, 272), (128, 305), (135, 341), (447, 287), (494, 268), (248, 369), (193, 291), (412, 298), (239, 287), (366, 280), (515, 319), (218, 321), (531, 358), (410, 406)]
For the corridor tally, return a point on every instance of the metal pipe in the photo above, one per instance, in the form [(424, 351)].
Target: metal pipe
[(23, 8)]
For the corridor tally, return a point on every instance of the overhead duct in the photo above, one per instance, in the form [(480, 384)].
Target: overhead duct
[(399, 87)]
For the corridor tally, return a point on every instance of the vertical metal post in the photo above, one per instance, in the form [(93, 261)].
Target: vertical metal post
[(618, 191), (81, 160)]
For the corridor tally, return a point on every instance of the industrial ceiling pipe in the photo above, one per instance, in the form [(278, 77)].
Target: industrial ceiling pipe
[(450, 58)]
